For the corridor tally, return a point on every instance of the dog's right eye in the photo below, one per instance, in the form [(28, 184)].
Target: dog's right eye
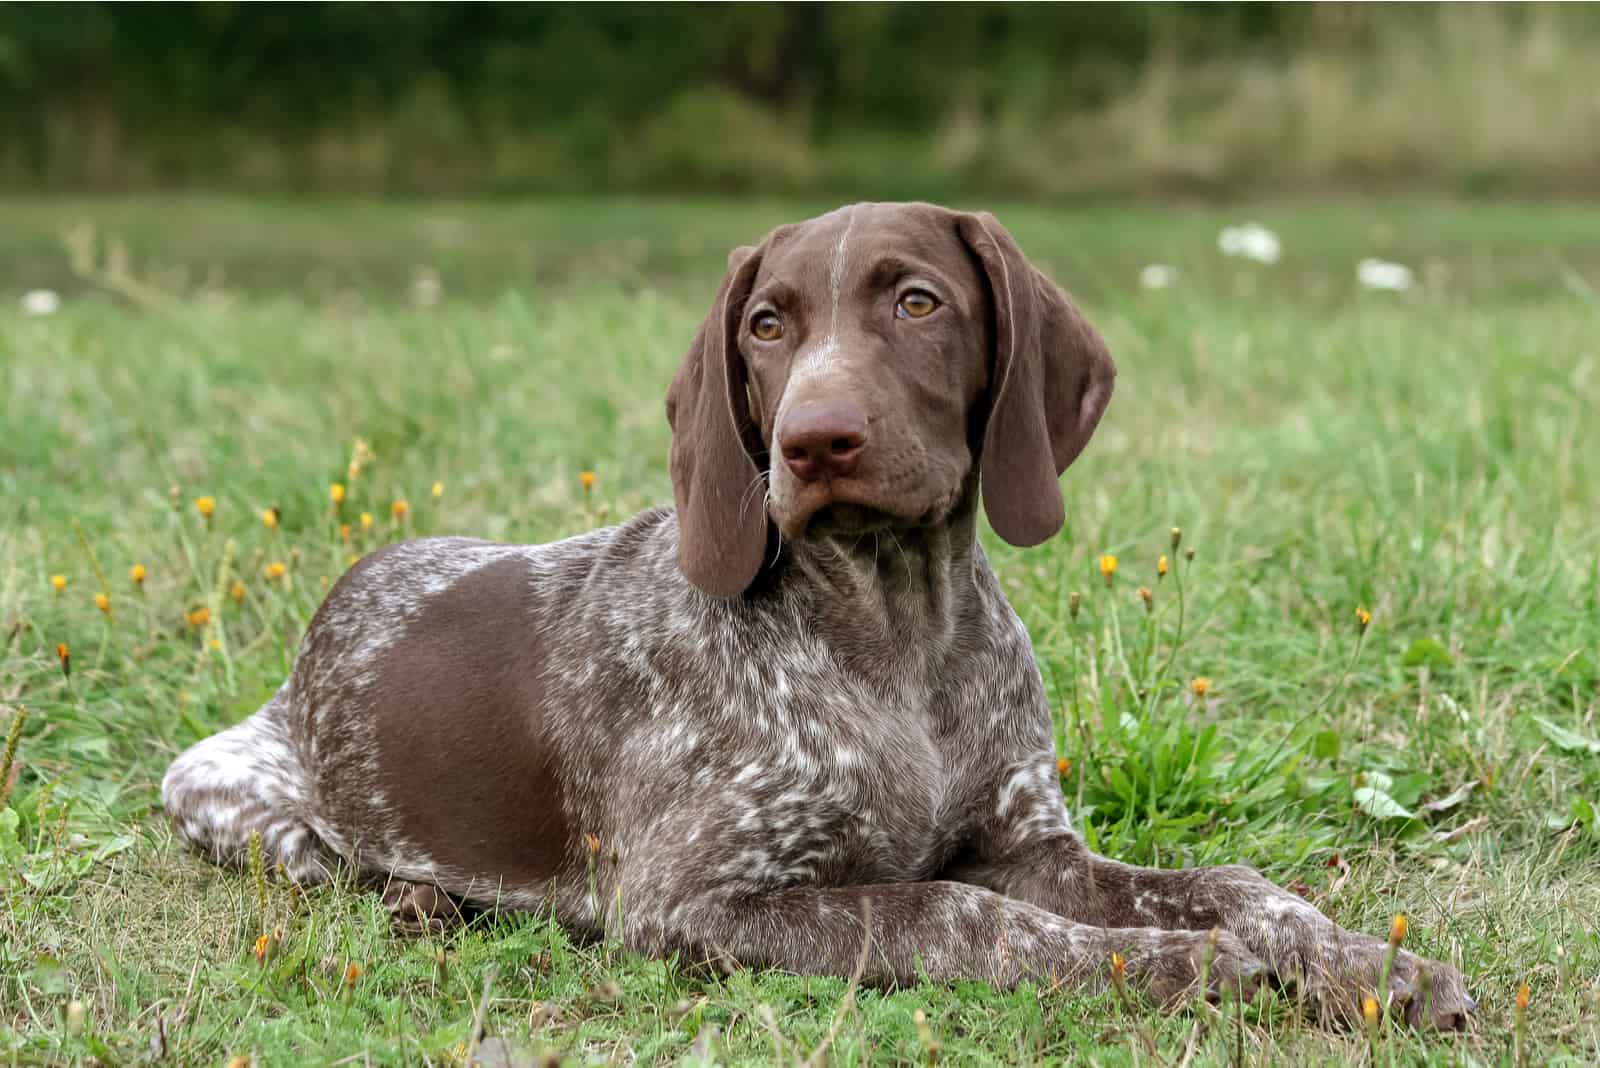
[(766, 327)]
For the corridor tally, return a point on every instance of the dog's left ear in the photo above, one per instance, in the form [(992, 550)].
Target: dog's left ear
[(1051, 379), (722, 515)]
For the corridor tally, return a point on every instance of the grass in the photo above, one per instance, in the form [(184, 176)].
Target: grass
[(1430, 456)]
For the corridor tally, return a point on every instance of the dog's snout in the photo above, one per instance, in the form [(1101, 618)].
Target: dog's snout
[(823, 439)]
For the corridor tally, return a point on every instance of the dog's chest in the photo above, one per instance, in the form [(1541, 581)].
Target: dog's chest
[(835, 786), (777, 754)]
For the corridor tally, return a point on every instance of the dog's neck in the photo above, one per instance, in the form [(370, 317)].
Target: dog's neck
[(888, 603)]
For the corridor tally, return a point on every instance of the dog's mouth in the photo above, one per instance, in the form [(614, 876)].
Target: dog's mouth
[(843, 510), (845, 518)]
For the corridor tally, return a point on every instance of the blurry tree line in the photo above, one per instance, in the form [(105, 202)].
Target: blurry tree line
[(872, 99)]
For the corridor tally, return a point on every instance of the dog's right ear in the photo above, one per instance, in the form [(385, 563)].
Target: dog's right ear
[(722, 513), (1051, 382)]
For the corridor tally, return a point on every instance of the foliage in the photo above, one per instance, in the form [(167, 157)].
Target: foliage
[(887, 100)]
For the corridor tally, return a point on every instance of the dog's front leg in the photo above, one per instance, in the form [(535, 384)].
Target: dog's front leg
[(898, 932), (1335, 968)]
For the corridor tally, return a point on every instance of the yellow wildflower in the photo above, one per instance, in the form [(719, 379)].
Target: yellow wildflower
[(352, 973), (63, 655), (366, 520), (344, 531), (206, 506), (216, 645), (1369, 1011), (1119, 968), (236, 591), (1161, 568), (587, 478), (438, 490), (1524, 995), (1108, 567), (200, 617), (58, 582), (269, 517), (262, 943), (1363, 617), (1397, 929), (102, 602), (1200, 686), (336, 493), (1063, 765), (136, 572), (276, 570), (400, 508)]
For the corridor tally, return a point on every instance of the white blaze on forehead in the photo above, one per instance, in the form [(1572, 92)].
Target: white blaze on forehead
[(817, 360)]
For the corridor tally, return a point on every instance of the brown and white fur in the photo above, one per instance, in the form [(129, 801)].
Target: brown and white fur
[(797, 713)]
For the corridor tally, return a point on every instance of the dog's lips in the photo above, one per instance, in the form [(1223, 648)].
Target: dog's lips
[(842, 506), (849, 519)]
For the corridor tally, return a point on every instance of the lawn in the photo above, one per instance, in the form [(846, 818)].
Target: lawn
[(1431, 457)]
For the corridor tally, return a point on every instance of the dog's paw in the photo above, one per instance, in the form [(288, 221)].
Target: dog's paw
[(1174, 967), (1337, 980), (420, 908)]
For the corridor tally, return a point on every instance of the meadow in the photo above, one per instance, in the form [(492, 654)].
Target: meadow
[(1371, 667)]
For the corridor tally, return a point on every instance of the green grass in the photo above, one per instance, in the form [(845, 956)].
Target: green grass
[(1431, 456)]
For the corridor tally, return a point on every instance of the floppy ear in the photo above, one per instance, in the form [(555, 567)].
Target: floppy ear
[(722, 515), (1051, 379)]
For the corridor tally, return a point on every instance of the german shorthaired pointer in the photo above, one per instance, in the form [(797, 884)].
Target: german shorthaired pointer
[(796, 715)]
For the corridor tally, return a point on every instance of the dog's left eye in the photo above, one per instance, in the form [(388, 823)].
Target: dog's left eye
[(767, 327), (915, 304)]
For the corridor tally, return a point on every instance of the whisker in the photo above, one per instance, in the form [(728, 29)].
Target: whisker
[(749, 489), (903, 557), (766, 502)]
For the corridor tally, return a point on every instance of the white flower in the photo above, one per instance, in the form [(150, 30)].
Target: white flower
[(1381, 274), (1252, 241), (426, 287), (41, 302), (1157, 276)]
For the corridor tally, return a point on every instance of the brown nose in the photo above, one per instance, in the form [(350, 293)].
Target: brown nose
[(822, 439)]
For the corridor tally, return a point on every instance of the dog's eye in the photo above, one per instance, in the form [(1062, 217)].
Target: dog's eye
[(766, 327), (915, 304)]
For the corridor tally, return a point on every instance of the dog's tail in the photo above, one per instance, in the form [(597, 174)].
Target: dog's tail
[(248, 780)]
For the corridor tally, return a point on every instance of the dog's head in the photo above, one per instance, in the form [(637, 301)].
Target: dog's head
[(863, 363)]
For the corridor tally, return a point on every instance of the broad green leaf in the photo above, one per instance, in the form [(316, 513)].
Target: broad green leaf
[(1582, 811), (1379, 805), (1407, 789), (1378, 780), (1427, 652), (1325, 746), (1564, 739)]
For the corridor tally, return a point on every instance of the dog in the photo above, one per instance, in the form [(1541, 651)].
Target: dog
[(794, 723)]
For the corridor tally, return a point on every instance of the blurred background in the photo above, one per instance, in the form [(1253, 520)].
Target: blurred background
[(869, 100)]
